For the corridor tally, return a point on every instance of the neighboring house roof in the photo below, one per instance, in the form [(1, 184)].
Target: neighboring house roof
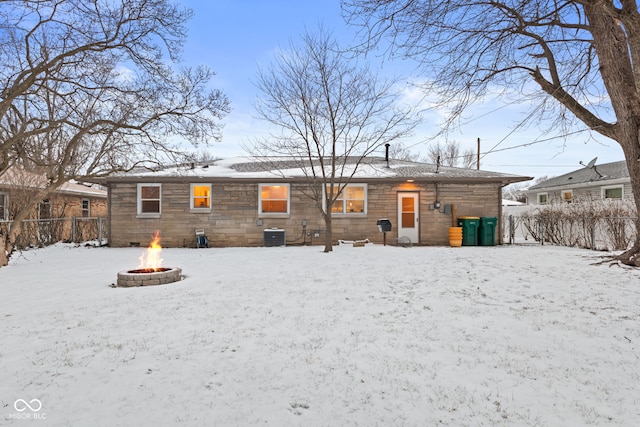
[(18, 178), (596, 175), (83, 189), (372, 168), (506, 202)]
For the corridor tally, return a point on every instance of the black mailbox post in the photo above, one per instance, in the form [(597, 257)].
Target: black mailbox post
[(384, 225)]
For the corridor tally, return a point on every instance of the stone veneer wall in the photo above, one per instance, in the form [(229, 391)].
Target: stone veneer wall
[(234, 220)]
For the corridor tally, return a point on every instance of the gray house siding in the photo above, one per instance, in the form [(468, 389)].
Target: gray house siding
[(586, 184), (581, 194)]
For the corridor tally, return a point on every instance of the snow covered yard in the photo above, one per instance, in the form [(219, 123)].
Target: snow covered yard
[(372, 336)]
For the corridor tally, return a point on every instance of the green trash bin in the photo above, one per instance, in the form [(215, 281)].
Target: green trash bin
[(469, 226), (487, 231)]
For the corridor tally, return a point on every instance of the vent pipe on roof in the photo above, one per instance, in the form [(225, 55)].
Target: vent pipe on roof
[(386, 153)]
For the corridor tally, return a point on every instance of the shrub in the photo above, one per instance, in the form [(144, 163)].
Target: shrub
[(593, 224)]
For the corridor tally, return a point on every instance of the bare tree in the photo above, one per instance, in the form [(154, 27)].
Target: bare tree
[(449, 155), (446, 155), (330, 112), (515, 192), (88, 88), (469, 159), (399, 152), (580, 58)]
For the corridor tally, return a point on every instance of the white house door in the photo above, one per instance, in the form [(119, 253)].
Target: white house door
[(408, 216)]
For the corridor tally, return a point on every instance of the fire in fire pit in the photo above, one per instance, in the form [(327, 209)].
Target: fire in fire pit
[(150, 260), (150, 271)]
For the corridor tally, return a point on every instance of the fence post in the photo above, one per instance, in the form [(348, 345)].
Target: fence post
[(100, 231), (511, 230), (73, 229), (542, 231)]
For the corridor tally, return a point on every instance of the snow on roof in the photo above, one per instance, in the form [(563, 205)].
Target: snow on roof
[(73, 187), (278, 167), (506, 202), (18, 178)]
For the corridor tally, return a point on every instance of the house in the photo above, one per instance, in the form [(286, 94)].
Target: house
[(592, 182), (239, 201), (53, 217)]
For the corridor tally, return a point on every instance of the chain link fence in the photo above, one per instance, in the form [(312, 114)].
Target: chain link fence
[(45, 232)]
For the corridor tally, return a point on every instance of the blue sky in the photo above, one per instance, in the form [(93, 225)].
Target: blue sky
[(234, 37)]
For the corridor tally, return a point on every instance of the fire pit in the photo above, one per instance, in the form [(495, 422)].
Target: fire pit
[(147, 277), (150, 271)]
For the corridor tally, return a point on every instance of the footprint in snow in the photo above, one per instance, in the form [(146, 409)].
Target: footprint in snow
[(297, 407)]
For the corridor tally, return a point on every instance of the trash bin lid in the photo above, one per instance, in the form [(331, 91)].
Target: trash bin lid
[(468, 217)]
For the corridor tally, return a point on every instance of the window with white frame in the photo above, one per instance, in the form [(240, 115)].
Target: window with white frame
[(543, 198), (200, 196), (149, 199), (352, 200), (86, 208), (567, 196), (4, 208), (273, 199), (613, 192)]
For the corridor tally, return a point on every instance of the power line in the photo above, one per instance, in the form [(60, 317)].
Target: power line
[(536, 166), (526, 144), (493, 149), (519, 125)]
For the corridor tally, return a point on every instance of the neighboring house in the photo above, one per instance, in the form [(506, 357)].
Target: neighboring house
[(238, 201), (71, 200), (592, 182)]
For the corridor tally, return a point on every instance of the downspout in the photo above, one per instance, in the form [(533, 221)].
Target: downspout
[(499, 223), (109, 207)]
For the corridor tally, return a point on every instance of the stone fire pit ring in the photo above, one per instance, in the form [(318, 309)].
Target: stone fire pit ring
[(144, 277)]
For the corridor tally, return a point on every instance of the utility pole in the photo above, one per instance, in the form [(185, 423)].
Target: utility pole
[(478, 157)]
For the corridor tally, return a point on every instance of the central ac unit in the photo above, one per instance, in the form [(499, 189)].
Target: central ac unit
[(274, 237)]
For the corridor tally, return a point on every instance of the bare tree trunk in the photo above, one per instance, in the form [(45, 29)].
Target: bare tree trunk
[(4, 259), (629, 140), (26, 210), (328, 235), (8, 241), (616, 49)]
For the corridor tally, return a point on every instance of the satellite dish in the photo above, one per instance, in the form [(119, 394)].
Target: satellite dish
[(591, 164)]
